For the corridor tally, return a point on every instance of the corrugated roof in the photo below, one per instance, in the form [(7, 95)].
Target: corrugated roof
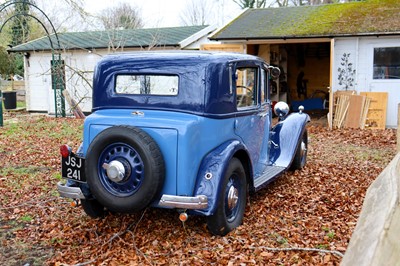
[(355, 18), (171, 36)]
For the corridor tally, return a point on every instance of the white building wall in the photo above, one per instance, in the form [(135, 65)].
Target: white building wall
[(38, 81), (79, 71), (361, 51), (79, 68)]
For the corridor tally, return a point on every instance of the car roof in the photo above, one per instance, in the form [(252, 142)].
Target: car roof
[(204, 87)]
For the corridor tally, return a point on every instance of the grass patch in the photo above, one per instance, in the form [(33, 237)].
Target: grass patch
[(26, 218)]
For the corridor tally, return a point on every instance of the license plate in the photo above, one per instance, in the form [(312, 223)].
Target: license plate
[(73, 167)]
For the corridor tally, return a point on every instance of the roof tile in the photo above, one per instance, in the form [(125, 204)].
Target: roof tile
[(355, 18), (171, 36)]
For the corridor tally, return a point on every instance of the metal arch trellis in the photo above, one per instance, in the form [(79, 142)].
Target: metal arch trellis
[(56, 63)]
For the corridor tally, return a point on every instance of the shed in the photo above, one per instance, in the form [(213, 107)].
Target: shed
[(80, 51), (349, 46)]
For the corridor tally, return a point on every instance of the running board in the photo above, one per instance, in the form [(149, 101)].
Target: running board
[(268, 175)]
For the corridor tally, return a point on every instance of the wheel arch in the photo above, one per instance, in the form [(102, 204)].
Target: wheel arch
[(244, 158), (286, 136), (213, 168)]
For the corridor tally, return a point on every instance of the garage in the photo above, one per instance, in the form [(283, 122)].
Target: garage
[(324, 49)]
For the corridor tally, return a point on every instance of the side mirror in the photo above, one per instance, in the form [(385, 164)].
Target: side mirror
[(275, 72)]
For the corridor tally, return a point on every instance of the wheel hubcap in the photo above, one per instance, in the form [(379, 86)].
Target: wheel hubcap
[(233, 196), (303, 149), (121, 169), (115, 171)]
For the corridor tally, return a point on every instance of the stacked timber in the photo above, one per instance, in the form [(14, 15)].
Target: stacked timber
[(367, 110)]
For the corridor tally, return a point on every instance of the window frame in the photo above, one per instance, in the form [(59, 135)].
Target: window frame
[(256, 87), (142, 78), (373, 75)]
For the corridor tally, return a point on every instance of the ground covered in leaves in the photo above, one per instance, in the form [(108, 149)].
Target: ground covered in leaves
[(316, 208)]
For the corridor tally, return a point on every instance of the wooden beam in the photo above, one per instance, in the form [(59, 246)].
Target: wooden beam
[(398, 128), (331, 103)]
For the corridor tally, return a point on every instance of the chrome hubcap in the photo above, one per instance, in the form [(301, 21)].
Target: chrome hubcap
[(233, 196), (115, 171), (303, 148)]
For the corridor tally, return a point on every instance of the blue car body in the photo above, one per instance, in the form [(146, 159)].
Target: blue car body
[(198, 129)]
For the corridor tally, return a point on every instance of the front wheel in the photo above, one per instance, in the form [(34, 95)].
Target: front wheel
[(231, 201), (300, 157)]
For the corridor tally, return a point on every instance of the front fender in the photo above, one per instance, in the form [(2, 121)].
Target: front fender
[(212, 171), (285, 137)]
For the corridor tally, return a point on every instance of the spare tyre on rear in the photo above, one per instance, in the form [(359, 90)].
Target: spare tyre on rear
[(125, 168)]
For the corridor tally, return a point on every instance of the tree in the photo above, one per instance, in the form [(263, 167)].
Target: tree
[(122, 16), (6, 63), (19, 32), (282, 3), (197, 12), (251, 3), (20, 24)]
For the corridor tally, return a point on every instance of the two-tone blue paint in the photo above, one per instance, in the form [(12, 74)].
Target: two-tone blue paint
[(199, 130), (286, 136), (203, 81), (184, 140)]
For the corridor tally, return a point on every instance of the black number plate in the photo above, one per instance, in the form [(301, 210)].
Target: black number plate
[(73, 167)]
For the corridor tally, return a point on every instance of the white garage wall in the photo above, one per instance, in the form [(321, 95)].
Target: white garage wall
[(79, 64), (361, 51)]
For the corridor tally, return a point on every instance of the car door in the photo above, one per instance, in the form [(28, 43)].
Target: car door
[(252, 111)]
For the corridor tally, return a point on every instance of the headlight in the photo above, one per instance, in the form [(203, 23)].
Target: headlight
[(281, 109)]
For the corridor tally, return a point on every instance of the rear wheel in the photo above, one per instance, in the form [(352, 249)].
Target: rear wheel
[(93, 208), (231, 200), (300, 159)]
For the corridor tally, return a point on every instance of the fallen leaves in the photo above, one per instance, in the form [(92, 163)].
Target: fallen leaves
[(315, 208)]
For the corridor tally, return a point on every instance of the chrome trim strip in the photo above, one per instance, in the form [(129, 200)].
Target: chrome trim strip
[(70, 192), (184, 202)]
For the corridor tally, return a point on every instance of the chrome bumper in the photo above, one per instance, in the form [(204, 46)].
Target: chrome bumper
[(183, 202), (69, 192)]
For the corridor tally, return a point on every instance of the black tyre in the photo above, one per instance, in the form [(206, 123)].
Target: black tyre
[(300, 158), (124, 168), (93, 208), (231, 202)]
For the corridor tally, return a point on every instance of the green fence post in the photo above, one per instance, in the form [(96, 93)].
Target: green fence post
[(1, 110)]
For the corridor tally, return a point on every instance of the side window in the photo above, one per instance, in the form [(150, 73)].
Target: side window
[(263, 85), (246, 87)]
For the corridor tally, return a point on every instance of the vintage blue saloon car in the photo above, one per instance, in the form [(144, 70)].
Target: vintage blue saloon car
[(184, 130)]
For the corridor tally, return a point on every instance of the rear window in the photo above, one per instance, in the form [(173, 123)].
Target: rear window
[(147, 84)]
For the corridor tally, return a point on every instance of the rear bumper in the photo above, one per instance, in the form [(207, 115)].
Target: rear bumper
[(183, 202), (70, 192)]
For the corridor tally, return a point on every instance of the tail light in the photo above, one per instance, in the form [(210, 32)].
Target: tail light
[(65, 150)]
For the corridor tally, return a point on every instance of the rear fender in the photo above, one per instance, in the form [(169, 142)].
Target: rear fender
[(285, 137), (212, 171)]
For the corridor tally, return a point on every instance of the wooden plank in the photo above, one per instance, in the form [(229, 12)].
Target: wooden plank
[(355, 110), (236, 48), (365, 112), (342, 105), (332, 60), (76, 110), (344, 110), (376, 118)]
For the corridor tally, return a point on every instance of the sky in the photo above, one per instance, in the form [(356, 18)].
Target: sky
[(154, 13), (166, 13)]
